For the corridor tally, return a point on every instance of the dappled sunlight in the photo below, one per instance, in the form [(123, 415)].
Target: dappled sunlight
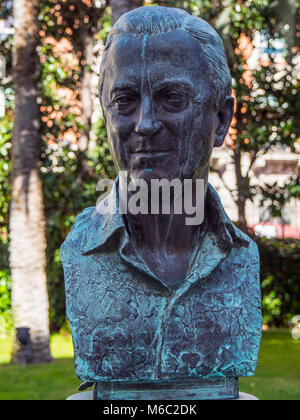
[(5, 349), (61, 347)]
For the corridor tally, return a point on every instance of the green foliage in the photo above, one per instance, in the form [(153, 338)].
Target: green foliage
[(5, 167), (275, 197), (271, 305), (5, 193), (5, 184), (100, 154), (6, 321), (6, 42), (106, 25), (268, 109), (280, 273), (5, 290)]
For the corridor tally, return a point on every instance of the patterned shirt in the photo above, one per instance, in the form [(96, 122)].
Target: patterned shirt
[(128, 325)]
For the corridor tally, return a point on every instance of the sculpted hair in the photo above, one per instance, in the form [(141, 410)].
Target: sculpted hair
[(156, 20)]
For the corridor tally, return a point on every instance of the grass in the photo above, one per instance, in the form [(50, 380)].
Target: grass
[(278, 372), (277, 377), (52, 381)]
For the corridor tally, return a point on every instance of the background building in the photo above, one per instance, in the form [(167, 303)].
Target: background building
[(277, 166)]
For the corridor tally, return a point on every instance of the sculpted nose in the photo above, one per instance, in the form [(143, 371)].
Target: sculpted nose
[(148, 124)]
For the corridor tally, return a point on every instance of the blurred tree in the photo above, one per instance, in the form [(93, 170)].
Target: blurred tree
[(6, 121), (266, 93), (274, 197), (76, 24), (5, 167), (27, 225), (119, 7), (79, 23)]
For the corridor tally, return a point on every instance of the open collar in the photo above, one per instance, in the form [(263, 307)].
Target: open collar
[(216, 245), (105, 221)]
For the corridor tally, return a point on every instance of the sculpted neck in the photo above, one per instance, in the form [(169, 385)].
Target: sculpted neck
[(174, 232)]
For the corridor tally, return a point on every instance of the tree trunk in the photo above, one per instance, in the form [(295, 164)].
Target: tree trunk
[(242, 222), (119, 7), (243, 188), (27, 225)]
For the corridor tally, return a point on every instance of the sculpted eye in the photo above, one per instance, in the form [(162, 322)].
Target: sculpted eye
[(124, 100), (173, 101), (174, 97), (125, 103)]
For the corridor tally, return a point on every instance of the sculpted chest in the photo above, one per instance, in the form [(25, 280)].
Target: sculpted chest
[(127, 326)]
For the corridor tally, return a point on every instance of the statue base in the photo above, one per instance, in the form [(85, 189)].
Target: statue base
[(166, 390), (88, 396), (197, 389)]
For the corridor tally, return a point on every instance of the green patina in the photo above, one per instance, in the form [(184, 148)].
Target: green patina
[(129, 326)]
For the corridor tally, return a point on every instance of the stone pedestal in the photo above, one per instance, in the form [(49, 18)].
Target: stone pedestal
[(88, 395), (247, 397)]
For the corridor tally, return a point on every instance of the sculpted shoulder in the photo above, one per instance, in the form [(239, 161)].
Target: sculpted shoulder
[(74, 239), (248, 248), (243, 267)]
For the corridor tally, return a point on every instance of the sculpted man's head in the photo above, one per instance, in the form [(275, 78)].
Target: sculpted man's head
[(165, 91)]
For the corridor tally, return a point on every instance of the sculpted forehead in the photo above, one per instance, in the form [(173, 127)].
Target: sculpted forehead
[(170, 55)]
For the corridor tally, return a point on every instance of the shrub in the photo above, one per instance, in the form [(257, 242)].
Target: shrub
[(5, 291), (280, 275), (5, 192)]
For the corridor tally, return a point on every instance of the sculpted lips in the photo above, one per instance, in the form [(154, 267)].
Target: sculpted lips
[(150, 157)]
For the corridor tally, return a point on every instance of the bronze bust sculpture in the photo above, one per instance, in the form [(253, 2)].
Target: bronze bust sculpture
[(159, 308)]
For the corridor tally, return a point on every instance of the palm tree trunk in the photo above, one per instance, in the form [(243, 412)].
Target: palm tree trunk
[(243, 188), (27, 225), (119, 7)]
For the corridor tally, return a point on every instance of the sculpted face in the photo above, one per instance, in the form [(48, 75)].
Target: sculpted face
[(159, 107)]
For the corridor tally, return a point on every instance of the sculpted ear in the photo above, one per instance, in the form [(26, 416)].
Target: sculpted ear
[(225, 116)]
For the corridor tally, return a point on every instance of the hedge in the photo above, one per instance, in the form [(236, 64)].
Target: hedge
[(280, 275)]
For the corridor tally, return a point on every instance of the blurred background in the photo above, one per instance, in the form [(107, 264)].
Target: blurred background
[(53, 150)]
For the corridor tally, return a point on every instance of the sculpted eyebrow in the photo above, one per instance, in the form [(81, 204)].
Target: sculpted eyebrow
[(124, 86), (174, 84)]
